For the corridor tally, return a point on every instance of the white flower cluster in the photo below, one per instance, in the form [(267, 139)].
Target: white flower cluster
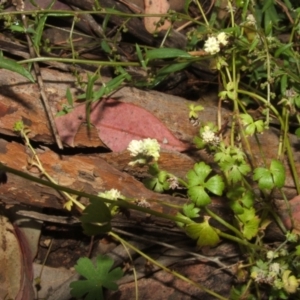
[(212, 44), (143, 150), (112, 194), (251, 20), (209, 137)]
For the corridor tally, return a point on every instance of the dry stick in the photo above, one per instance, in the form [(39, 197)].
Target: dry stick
[(20, 6)]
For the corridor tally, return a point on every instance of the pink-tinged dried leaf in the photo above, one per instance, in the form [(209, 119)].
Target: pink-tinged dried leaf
[(14, 283), (68, 125), (26, 289), (117, 124), (156, 7)]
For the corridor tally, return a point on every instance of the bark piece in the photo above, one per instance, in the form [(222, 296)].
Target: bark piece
[(82, 172), (19, 100)]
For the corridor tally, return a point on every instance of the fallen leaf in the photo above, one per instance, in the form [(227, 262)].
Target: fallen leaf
[(117, 124), (15, 281), (156, 7)]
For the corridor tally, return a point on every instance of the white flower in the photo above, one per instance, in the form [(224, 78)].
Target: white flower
[(274, 268), (151, 148), (135, 147), (212, 45), (112, 194), (222, 38), (208, 135), (272, 254), (251, 20), (143, 150)]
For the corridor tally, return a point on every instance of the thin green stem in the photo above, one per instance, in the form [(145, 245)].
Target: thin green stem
[(202, 13), (80, 61), (223, 222)]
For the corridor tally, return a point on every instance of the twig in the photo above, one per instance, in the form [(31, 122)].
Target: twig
[(20, 7)]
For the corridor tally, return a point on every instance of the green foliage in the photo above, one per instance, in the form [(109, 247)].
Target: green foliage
[(272, 177), (190, 210), (249, 223), (97, 277), (205, 234), (96, 218), (163, 53), (251, 125), (256, 65), (240, 197), (158, 182), (198, 184), (11, 65), (194, 109)]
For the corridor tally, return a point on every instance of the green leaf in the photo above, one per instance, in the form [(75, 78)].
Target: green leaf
[(236, 169), (250, 223), (154, 184), (11, 65), (278, 172), (105, 47), (97, 277), (199, 196), (285, 49), (198, 174), (264, 178), (197, 184), (110, 86), (69, 97), (297, 252), (96, 218), (268, 179), (162, 53), (171, 68), (215, 185), (17, 28), (246, 119), (190, 210), (140, 56), (205, 234)]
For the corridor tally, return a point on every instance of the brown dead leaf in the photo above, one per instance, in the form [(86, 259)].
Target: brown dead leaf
[(156, 7)]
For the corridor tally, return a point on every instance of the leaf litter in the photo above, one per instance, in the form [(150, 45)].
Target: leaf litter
[(117, 124)]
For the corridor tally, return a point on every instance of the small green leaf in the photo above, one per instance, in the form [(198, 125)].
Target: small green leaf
[(297, 252), (249, 222), (205, 234), (140, 56), (278, 172), (97, 277), (17, 28), (215, 185), (69, 97), (199, 196), (11, 65), (198, 174), (162, 53), (154, 184), (105, 47), (246, 119), (190, 210), (264, 178), (96, 218)]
